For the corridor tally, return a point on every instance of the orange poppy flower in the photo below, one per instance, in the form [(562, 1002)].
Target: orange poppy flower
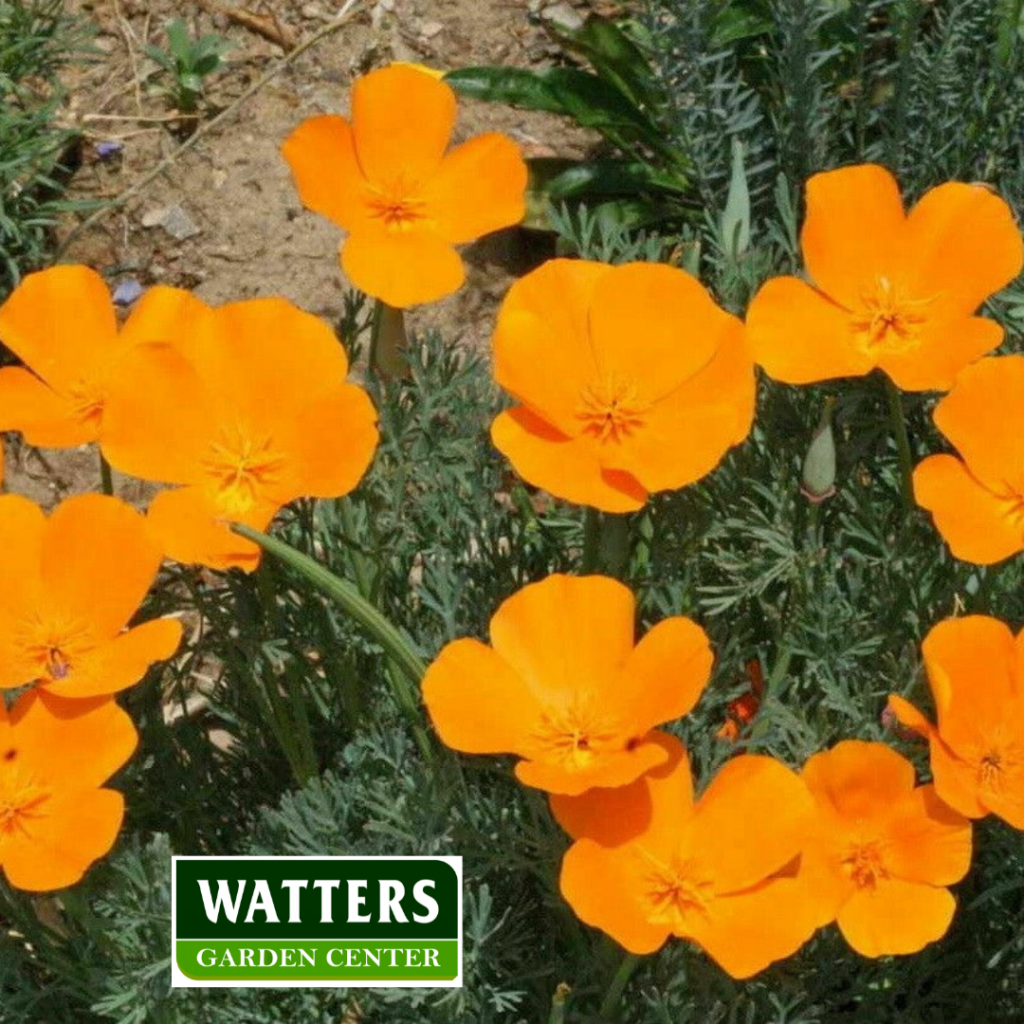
[(248, 411), (713, 871), (55, 754), (630, 379), (977, 500), (889, 289), (385, 178), (564, 687), (976, 673), (882, 851), (61, 323), (71, 584)]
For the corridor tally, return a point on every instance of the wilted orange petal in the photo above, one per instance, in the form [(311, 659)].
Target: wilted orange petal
[(186, 526), (158, 423), (47, 419), (477, 702), (799, 336), (60, 322), (859, 779), (77, 829), (402, 120), (854, 231), (121, 662), (590, 874), (945, 348), (895, 917), (983, 417), (926, 840), (529, 632), (666, 673), (98, 561), (479, 187), (750, 821), (653, 327), (567, 468), (966, 246), (909, 716), (977, 525), (322, 156), (689, 432), (401, 268), (753, 929)]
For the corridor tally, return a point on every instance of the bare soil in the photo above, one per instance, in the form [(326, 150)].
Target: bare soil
[(252, 235)]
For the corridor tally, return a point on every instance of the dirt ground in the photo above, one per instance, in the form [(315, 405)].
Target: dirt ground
[(247, 232)]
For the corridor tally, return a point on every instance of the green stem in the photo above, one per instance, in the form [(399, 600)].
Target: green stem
[(388, 341), (899, 429), (614, 556), (106, 476), (396, 646), (612, 998), (591, 540)]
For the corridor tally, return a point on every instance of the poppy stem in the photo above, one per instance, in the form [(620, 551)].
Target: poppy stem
[(397, 647), (591, 540), (612, 998), (106, 477), (388, 341), (899, 429)]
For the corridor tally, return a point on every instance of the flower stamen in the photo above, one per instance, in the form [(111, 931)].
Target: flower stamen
[(888, 319), (611, 410)]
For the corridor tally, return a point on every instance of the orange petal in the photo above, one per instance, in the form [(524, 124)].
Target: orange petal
[(401, 268), (322, 156), (855, 231), (568, 635), (47, 419), (857, 779), (567, 468), (983, 416), (479, 187), (977, 525), (590, 873), (653, 326), (970, 662), (60, 322), (895, 917), (402, 120), (614, 816), (98, 561), (926, 840), (750, 821), (956, 781), (945, 348), (666, 672), (72, 832), (966, 246), (257, 381), (71, 744), (121, 662), (163, 314), (158, 422), (745, 933), (330, 445), (1007, 801), (607, 771), (22, 526), (186, 527), (909, 716), (799, 336), (477, 702), (688, 433)]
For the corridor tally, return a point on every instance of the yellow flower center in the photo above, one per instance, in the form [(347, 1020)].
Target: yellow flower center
[(87, 403), (863, 864), (611, 410), (54, 643), (240, 470), (21, 800), (397, 206), (676, 893), (888, 320), (576, 734)]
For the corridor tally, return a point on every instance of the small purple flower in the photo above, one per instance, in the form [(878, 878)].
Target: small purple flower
[(104, 150), (127, 292)]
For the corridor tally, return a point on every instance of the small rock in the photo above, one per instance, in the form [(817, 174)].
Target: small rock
[(430, 29), (219, 178), (127, 292), (562, 16), (151, 218), (178, 224)]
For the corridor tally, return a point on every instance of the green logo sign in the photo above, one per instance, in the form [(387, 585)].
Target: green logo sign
[(382, 922)]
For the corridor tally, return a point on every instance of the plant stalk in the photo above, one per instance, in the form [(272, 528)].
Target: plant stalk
[(899, 429), (613, 996)]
